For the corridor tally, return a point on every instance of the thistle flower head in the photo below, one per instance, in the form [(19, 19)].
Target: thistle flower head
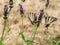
[(21, 9)]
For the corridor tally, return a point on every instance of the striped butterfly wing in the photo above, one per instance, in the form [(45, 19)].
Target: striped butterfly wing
[(31, 17), (49, 20)]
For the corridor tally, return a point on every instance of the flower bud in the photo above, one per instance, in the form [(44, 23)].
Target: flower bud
[(21, 9), (5, 10), (47, 3), (11, 3)]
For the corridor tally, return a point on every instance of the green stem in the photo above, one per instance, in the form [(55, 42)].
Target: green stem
[(3, 29), (22, 21), (22, 30), (34, 32)]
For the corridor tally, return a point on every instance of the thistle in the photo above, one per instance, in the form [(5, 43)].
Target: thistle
[(11, 4), (47, 3)]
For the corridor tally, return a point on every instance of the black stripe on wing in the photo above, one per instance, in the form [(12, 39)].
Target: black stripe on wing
[(31, 17), (49, 20)]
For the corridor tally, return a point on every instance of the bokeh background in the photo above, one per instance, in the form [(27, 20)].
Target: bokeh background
[(43, 35)]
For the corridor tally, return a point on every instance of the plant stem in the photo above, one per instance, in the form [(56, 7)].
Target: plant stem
[(20, 31), (34, 32), (22, 21), (5, 21)]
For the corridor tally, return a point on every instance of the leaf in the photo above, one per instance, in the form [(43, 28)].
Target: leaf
[(22, 35), (58, 43), (29, 42), (8, 30), (1, 43)]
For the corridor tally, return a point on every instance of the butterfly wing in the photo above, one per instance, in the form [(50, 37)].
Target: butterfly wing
[(31, 17), (49, 20)]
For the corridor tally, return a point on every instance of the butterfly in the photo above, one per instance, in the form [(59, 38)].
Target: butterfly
[(33, 19), (49, 20)]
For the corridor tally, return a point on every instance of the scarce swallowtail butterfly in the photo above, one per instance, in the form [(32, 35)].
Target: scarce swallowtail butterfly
[(49, 20)]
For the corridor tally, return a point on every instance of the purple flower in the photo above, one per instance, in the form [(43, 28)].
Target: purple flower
[(41, 12), (47, 3), (5, 10), (21, 9), (36, 18)]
